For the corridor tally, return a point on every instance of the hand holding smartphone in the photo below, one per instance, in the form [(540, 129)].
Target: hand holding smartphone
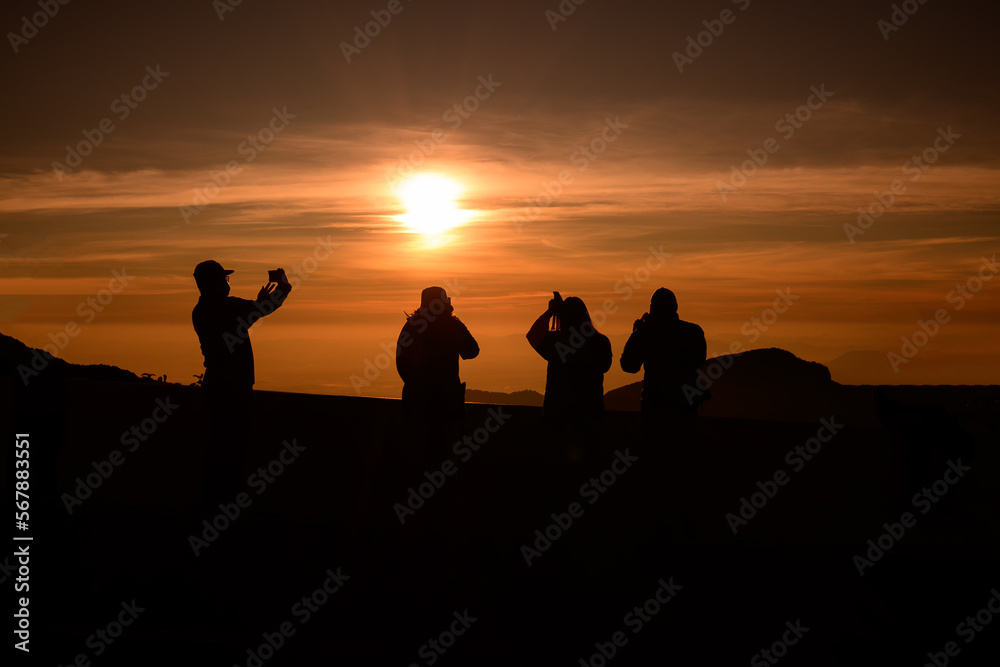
[(277, 276), (555, 305), (555, 302)]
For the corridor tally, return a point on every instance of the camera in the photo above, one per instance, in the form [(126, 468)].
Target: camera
[(556, 302), (555, 305)]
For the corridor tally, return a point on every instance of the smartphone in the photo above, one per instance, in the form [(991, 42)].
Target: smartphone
[(277, 276)]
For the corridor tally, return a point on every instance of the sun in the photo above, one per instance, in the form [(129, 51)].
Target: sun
[(430, 202)]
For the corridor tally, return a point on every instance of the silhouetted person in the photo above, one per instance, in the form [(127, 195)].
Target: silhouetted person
[(222, 323), (427, 353), (672, 351), (578, 358)]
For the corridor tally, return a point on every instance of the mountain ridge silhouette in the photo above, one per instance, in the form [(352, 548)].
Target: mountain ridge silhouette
[(14, 354), (769, 384)]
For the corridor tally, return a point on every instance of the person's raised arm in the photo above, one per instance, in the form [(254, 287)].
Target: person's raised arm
[(468, 348), (632, 356), (536, 334), (273, 294), (405, 365)]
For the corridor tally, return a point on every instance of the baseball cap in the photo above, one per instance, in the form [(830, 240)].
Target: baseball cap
[(209, 269)]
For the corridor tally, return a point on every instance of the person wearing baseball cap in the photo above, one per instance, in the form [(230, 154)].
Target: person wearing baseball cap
[(222, 323)]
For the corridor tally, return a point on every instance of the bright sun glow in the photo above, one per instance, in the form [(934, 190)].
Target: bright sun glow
[(430, 204)]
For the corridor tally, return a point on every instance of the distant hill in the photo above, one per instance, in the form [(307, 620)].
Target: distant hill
[(769, 384), (523, 397), (19, 360)]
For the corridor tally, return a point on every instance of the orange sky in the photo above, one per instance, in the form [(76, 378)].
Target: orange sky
[(676, 136)]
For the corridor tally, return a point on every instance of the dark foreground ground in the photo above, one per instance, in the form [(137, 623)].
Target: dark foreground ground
[(451, 584)]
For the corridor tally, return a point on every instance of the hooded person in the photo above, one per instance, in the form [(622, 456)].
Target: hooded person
[(427, 353), (671, 350)]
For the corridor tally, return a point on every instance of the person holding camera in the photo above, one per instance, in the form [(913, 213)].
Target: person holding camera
[(222, 323), (578, 357), (427, 353), (672, 351)]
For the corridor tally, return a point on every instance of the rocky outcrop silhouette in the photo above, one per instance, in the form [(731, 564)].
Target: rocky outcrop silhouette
[(523, 397), (14, 355), (770, 384)]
